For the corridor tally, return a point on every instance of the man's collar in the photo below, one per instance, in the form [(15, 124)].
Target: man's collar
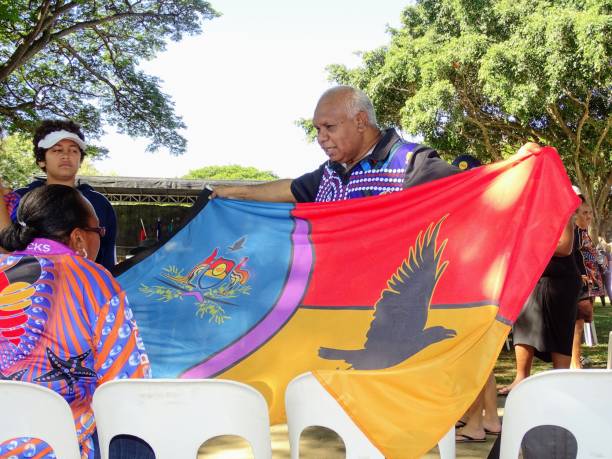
[(380, 152), (383, 147)]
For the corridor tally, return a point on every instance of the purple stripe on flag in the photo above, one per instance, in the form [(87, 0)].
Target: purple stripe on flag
[(290, 298)]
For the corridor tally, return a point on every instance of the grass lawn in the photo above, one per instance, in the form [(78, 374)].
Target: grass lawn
[(505, 367)]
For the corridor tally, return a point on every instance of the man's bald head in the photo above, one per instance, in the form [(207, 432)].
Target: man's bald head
[(353, 99)]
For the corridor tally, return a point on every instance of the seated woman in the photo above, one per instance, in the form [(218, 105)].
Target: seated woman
[(65, 323)]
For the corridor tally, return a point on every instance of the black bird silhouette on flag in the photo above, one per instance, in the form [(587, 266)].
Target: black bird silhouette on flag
[(398, 331)]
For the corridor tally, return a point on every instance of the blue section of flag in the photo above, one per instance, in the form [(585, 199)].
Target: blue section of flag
[(213, 282)]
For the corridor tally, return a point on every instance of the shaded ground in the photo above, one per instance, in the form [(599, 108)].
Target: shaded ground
[(598, 355), (315, 443), (321, 443)]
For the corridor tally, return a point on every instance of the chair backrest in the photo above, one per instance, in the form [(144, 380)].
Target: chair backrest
[(309, 404), (577, 400), (609, 366), (29, 410), (175, 416)]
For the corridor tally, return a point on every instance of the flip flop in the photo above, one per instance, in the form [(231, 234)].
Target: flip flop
[(493, 433), (463, 438), (459, 424)]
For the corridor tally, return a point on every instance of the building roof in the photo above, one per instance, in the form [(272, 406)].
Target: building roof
[(149, 190)]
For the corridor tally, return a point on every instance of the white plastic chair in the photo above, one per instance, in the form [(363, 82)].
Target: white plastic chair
[(29, 410), (308, 404), (577, 400), (175, 416), (609, 366)]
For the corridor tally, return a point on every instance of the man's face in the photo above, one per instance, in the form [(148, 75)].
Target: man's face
[(62, 160), (339, 136)]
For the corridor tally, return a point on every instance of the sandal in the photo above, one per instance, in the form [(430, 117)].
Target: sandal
[(459, 424), (463, 438)]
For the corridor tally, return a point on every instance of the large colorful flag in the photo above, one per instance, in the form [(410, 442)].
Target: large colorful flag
[(399, 303)]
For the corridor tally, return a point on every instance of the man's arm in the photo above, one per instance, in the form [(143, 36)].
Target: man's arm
[(5, 218), (275, 191)]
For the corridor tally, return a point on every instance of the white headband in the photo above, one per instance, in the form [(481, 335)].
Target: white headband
[(53, 137)]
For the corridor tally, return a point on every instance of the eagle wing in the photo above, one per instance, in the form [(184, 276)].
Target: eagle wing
[(403, 307)]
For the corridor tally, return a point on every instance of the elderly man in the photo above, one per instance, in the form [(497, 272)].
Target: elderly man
[(363, 160)]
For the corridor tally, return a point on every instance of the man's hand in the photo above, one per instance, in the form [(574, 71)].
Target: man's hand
[(5, 219), (223, 191), (4, 190)]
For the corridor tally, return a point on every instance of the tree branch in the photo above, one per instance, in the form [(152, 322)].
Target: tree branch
[(95, 22), (31, 46), (576, 100), (85, 64), (603, 136), (474, 119), (106, 43), (583, 118), (16, 58)]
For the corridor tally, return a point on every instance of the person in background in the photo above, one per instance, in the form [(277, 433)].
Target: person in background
[(481, 418), (545, 326), (604, 261), (71, 328), (592, 286), (59, 149)]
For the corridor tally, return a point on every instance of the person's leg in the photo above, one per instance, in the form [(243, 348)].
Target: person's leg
[(490, 420), (560, 361), (578, 329), (473, 430), (524, 359)]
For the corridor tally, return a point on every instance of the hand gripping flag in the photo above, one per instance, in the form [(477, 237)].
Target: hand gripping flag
[(399, 303)]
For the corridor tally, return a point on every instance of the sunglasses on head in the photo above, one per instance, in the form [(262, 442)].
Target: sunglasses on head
[(96, 229)]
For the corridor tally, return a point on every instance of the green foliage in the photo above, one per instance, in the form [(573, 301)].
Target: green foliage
[(484, 77), (230, 172), (80, 60), (308, 127), (17, 165), (88, 169)]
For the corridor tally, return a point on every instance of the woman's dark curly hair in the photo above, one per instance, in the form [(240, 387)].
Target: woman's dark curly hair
[(48, 126)]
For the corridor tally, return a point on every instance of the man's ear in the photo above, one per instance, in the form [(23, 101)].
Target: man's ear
[(362, 121), (42, 164)]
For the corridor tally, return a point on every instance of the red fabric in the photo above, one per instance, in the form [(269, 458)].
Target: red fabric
[(480, 225)]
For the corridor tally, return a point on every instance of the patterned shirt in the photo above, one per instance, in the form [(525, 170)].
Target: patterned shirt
[(66, 324), (11, 200), (586, 259), (392, 166)]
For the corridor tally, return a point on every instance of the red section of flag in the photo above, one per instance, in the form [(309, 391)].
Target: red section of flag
[(508, 214)]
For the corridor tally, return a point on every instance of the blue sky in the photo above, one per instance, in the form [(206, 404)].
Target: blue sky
[(243, 82)]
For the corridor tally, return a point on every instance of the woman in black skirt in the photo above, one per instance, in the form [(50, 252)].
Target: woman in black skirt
[(545, 327)]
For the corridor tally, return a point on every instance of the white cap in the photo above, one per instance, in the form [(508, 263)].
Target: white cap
[(53, 137)]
